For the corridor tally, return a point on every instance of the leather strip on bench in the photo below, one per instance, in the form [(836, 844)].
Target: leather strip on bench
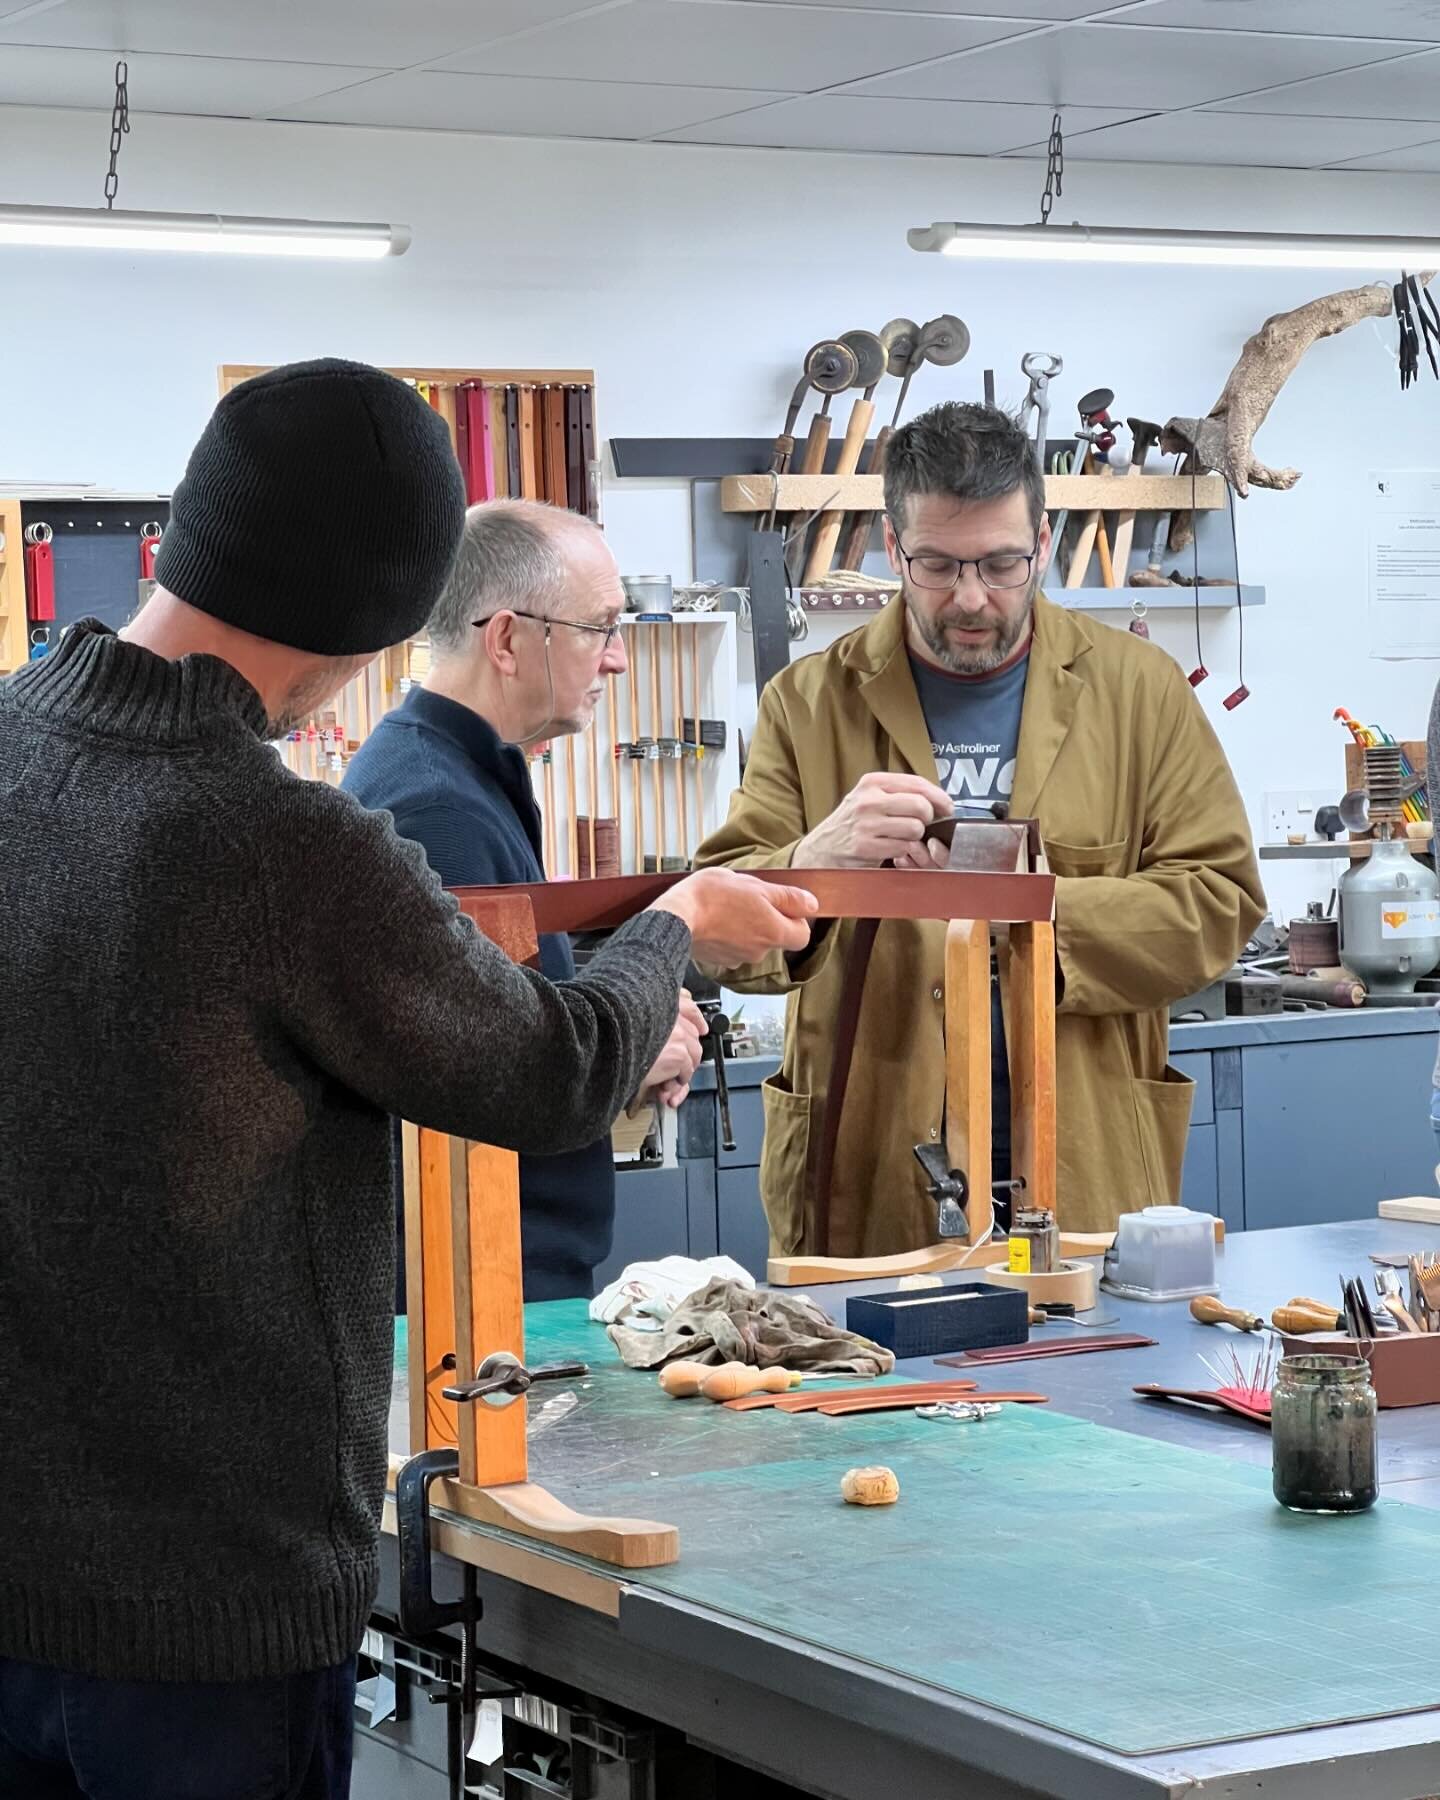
[(840, 1409), (1034, 1352), (821, 1396), (601, 904)]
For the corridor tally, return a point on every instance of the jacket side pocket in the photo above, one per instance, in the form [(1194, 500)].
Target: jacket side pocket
[(785, 1163), (1162, 1118)]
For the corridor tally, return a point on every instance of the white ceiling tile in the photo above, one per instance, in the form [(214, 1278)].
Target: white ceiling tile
[(1031, 11), (1415, 19), (843, 122), (376, 33), (1415, 159), (1248, 139), (724, 44), (42, 75), (1158, 70), (1406, 88), (513, 105)]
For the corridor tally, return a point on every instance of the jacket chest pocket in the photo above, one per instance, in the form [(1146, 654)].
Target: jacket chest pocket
[(1088, 859)]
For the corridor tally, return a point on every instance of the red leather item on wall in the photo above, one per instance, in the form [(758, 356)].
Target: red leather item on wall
[(40, 582), (148, 547)]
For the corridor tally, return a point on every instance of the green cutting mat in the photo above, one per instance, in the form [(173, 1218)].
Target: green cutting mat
[(1118, 1589)]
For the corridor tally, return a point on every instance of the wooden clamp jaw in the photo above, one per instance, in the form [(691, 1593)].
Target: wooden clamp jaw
[(465, 1302)]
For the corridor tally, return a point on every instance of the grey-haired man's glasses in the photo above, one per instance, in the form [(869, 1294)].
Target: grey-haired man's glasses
[(609, 632), (927, 570)]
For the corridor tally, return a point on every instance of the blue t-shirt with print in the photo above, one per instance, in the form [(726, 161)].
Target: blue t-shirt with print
[(974, 726)]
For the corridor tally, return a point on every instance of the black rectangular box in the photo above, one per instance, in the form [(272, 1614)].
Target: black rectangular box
[(967, 1315)]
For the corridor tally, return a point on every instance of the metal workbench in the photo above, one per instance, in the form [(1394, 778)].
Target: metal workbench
[(846, 1728), (1297, 1119)]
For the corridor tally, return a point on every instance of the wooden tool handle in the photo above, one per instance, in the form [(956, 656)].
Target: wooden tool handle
[(861, 525), (1102, 551), (827, 533), (683, 1380), (813, 461), (1209, 1311), (1298, 1318), (734, 1381), (784, 450)]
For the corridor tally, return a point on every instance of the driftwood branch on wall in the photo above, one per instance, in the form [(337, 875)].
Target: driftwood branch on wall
[(1223, 440)]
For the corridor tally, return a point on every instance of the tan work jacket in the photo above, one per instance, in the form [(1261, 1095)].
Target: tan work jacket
[(1158, 891)]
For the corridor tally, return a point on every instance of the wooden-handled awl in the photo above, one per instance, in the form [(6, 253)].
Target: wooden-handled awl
[(870, 355), (1210, 1311)]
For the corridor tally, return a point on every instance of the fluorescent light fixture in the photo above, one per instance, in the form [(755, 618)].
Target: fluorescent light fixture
[(1220, 249), (89, 228)]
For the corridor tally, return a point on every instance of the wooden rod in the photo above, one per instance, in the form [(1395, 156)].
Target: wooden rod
[(675, 660), (699, 747), (593, 791), (548, 758), (637, 791), (657, 731), (572, 828)]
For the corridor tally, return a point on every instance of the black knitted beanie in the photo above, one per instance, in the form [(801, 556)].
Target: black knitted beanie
[(322, 508)]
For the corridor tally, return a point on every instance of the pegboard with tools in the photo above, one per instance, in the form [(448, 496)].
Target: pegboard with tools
[(652, 776), (527, 433)]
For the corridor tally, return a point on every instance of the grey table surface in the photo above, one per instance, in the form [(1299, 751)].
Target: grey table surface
[(840, 1728)]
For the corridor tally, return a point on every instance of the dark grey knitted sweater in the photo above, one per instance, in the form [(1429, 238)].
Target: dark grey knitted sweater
[(216, 982)]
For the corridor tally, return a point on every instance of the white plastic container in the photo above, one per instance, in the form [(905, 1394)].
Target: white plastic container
[(1162, 1253)]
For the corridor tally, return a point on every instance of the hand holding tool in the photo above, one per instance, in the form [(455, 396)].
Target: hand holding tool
[(1207, 1310)]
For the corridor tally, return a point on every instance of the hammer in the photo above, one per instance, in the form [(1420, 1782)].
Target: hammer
[(1146, 434)]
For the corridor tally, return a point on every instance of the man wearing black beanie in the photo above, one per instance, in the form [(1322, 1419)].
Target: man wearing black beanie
[(219, 982)]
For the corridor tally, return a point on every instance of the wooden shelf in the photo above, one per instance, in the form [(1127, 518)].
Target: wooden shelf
[(1078, 493), (1167, 599)]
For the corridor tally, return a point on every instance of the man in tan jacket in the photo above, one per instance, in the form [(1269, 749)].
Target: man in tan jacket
[(977, 695)]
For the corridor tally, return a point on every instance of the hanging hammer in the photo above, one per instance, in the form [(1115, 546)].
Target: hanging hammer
[(1146, 435)]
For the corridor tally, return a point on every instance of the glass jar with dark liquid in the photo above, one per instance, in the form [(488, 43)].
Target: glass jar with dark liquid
[(1322, 1423)]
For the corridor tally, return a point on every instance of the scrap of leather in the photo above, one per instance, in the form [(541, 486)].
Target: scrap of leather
[(1216, 1398), (1034, 1352), (602, 904), (814, 1398)]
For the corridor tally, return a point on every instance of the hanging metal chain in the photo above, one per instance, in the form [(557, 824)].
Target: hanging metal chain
[(119, 125), (1055, 170)]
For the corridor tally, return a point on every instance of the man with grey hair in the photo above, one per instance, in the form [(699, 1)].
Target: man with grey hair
[(522, 641), (974, 693)]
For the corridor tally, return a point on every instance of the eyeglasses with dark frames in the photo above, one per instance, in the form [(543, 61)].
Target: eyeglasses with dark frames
[(609, 632), (941, 573)]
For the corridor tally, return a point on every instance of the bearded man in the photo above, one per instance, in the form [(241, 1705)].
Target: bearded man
[(976, 694)]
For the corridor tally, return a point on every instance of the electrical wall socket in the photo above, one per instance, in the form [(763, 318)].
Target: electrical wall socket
[(1294, 812)]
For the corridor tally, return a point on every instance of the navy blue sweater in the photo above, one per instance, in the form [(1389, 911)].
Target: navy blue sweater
[(465, 797)]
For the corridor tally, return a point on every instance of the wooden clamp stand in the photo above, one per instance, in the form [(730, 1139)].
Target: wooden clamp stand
[(465, 1301), (1031, 1051), (972, 904)]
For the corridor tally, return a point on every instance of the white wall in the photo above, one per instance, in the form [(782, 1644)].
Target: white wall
[(692, 280)]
